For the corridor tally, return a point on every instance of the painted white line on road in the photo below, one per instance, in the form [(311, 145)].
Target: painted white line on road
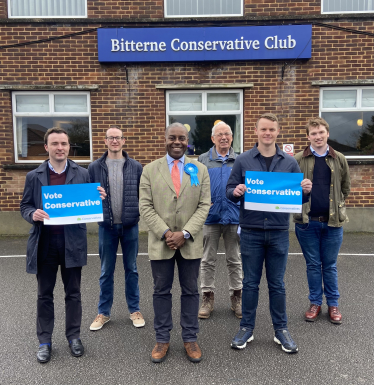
[(95, 255)]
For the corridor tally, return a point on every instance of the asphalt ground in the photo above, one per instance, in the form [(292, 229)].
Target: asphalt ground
[(120, 354)]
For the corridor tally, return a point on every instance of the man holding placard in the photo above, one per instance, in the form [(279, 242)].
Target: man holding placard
[(266, 198), (51, 246), (120, 175), (319, 226)]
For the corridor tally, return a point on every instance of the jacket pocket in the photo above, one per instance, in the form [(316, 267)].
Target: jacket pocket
[(298, 217), (342, 211)]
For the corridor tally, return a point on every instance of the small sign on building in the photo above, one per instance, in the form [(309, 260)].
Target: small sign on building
[(288, 149)]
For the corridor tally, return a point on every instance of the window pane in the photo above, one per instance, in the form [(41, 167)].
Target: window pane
[(348, 5), (368, 98), (185, 102), (47, 8), (203, 7), (32, 103), (351, 133), (71, 103), (339, 99), (223, 102), (201, 131), (30, 136)]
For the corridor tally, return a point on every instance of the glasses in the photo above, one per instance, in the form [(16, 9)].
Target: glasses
[(220, 135), (111, 138)]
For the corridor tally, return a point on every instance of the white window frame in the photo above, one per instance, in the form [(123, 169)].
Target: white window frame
[(51, 113), (210, 15), (339, 12), (358, 108), (47, 17), (204, 110)]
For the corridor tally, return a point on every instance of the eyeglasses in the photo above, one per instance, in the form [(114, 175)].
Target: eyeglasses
[(111, 138), (220, 135)]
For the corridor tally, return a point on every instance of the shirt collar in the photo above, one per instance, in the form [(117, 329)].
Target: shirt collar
[(170, 159), (51, 168), (318, 155)]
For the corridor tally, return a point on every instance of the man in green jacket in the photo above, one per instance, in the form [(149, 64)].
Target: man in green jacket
[(319, 226)]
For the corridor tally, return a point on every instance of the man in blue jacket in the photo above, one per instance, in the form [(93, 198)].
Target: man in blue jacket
[(223, 219), (264, 235), (120, 176), (49, 247)]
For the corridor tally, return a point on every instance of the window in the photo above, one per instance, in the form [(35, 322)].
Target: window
[(47, 8), (35, 112), (350, 114), (203, 8), (347, 6), (198, 110)]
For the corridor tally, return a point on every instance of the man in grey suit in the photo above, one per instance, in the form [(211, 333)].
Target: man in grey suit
[(174, 203)]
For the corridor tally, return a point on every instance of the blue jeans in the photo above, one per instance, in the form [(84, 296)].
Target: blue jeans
[(320, 245), (257, 247), (108, 245)]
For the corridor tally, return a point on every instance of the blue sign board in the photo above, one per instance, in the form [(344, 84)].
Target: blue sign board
[(204, 43), (72, 203), (273, 191)]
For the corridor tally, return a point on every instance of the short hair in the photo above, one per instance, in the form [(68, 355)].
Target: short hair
[(316, 122), (268, 116), (176, 124), (54, 130), (114, 126), (219, 124)]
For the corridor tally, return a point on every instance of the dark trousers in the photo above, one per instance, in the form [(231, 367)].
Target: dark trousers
[(163, 276), (51, 255)]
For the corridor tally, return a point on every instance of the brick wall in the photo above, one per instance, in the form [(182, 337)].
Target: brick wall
[(128, 96), (154, 9)]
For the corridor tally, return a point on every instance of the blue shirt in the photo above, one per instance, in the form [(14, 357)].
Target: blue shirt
[(180, 165), (318, 155), (51, 168), (223, 158)]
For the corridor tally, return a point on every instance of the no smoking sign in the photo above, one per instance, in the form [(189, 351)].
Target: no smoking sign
[(288, 149)]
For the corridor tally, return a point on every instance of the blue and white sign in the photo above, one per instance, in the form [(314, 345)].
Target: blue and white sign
[(204, 43), (278, 192), (72, 203)]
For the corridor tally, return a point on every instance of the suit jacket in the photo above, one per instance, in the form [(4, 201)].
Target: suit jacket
[(162, 210)]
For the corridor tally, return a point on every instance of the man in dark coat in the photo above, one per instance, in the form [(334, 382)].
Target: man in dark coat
[(51, 246)]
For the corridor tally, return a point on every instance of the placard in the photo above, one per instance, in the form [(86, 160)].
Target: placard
[(273, 191), (72, 204), (276, 42)]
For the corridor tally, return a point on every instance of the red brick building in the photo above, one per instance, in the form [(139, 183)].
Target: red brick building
[(51, 76)]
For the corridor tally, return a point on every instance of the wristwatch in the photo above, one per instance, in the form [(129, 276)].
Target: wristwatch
[(186, 234)]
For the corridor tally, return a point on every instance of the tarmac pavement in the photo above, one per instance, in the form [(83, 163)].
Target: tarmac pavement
[(120, 354)]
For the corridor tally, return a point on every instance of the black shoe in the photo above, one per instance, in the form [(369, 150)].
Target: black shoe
[(76, 347), (44, 353)]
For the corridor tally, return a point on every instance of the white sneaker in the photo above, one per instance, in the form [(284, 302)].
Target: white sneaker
[(137, 319), (99, 322)]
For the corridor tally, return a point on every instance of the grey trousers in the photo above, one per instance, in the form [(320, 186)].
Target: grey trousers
[(212, 234)]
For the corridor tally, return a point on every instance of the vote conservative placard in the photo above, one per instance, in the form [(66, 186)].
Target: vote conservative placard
[(273, 191), (72, 203)]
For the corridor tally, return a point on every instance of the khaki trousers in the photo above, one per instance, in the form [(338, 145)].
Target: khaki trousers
[(212, 234)]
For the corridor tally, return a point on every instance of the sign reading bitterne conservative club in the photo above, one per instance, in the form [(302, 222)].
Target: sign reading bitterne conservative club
[(273, 191), (72, 203), (204, 43)]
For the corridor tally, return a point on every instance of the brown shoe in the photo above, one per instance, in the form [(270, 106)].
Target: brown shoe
[(193, 351), (236, 303), (159, 352), (312, 313), (335, 315), (207, 305)]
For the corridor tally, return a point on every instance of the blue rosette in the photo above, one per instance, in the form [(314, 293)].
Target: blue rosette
[(192, 171)]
